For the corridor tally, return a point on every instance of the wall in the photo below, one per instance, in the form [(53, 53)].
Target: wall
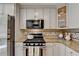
[(7, 8), (13, 10), (18, 34), (60, 5), (73, 15)]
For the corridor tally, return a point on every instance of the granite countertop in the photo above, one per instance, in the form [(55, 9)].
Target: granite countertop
[(20, 40), (71, 44)]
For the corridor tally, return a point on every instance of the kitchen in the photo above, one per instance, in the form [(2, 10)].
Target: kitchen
[(41, 29)]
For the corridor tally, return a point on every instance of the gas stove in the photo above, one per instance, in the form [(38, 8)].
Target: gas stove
[(37, 40), (34, 46)]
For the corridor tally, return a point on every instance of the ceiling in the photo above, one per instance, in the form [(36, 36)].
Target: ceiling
[(41, 3), (53, 5)]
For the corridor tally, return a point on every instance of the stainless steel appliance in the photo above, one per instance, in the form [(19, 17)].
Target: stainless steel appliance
[(34, 46), (35, 24), (11, 35), (7, 32)]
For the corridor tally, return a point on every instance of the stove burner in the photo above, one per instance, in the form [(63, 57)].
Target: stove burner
[(36, 41)]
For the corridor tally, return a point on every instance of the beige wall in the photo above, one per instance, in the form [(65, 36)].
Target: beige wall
[(17, 25)]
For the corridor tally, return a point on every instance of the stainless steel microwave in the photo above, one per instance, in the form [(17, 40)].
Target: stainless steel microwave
[(34, 24)]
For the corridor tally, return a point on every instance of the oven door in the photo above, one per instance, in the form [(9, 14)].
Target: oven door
[(34, 51)]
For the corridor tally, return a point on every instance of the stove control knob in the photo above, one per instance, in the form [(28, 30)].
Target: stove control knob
[(43, 44), (36, 43), (27, 43), (31, 44), (40, 44)]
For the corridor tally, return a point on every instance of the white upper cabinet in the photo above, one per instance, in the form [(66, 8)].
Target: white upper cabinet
[(30, 13), (52, 19), (49, 18), (48, 14), (73, 15), (46, 18), (22, 18), (39, 12)]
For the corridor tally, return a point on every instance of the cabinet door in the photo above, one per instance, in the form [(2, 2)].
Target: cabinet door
[(50, 49), (73, 15), (19, 49), (22, 18), (56, 50), (52, 18), (40, 13), (59, 49), (30, 13), (62, 49), (1, 8), (46, 18)]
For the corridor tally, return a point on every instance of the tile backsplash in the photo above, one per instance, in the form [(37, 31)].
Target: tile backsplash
[(53, 34)]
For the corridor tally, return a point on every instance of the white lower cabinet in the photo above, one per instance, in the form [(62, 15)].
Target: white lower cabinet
[(19, 49), (52, 49), (70, 52), (55, 49), (58, 49), (49, 49)]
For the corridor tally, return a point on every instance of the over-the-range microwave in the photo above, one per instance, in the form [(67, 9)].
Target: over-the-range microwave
[(35, 24)]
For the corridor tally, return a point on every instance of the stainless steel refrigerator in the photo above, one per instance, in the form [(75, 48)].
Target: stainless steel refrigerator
[(7, 35)]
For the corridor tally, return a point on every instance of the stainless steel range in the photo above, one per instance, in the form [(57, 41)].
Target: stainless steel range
[(34, 45)]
